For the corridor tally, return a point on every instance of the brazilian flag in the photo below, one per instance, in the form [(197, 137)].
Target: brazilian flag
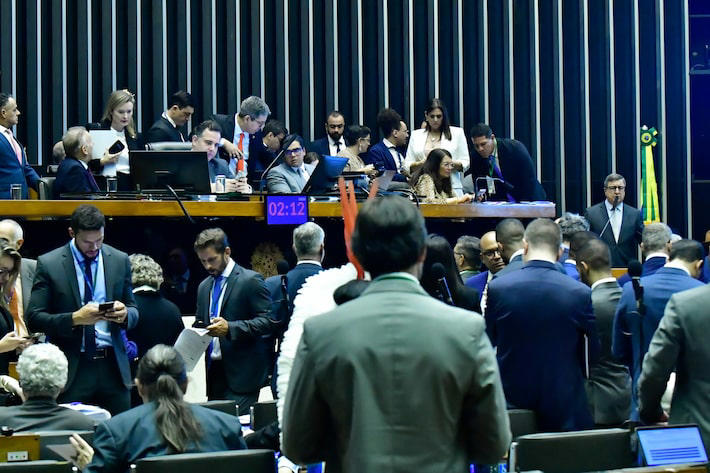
[(649, 188)]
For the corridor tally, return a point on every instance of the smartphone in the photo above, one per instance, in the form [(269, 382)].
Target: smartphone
[(117, 147), (106, 306), (199, 324)]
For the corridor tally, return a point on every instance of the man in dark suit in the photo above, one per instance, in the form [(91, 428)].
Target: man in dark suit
[(14, 168), (74, 174), (238, 131), (679, 345), (171, 124), (655, 246), (331, 144), (538, 317), (609, 385), (43, 374), (618, 224), (11, 231), (509, 235), (635, 324), (504, 159), (388, 154), (355, 396), (233, 303), (263, 149), (491, 259), (70, 283), (570, 223)]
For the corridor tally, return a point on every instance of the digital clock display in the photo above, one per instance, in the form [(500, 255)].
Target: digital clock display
[(286, 209)]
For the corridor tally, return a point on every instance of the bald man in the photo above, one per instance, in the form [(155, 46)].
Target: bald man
[(491, 259)]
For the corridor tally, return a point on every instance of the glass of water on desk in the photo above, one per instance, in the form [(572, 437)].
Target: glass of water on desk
[(220, 184), (111, 184), (16, 191)]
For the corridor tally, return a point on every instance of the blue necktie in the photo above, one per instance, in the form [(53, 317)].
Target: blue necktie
[(89, 331), (216, 292)]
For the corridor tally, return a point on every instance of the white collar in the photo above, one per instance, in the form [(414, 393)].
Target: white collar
[(237, 129), (608, 205), (673, 264), (228, 270), (144, 288), (167, 117), (657, 254), (332, 143), (602, 281), (309, 261), (4, 130), (388, 144), (519, 252)]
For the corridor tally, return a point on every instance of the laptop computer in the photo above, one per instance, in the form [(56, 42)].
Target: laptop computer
[(673, 444)]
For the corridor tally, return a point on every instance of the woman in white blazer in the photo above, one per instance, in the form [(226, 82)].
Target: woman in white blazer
[(438, 134)]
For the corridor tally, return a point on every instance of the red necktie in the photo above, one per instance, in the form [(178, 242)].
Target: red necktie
[(240, 145)]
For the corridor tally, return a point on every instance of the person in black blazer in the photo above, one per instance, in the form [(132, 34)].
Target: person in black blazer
[(68, 311), (170, 126), (623, 238), (506, 159), (537, 318), (74, 174), (12, 169), (43, 374), (263, 149), (331, 144), (234, 304), (9, 269), (388, 154)]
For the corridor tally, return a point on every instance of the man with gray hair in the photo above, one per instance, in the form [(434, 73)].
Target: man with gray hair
[(655, 246), (73, 174), (239, 129), (467, 254), (570, 223), (43, 374), (18, 295), (537, 317)]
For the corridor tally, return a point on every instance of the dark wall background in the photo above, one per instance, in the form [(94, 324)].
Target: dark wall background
[(573, 80)]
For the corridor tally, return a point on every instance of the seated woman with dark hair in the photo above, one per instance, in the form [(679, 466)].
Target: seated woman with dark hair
[(433, 180), (357, 141), (165, 424), (439, 251)]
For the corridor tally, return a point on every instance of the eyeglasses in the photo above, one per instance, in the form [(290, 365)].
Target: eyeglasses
[(490, 253), (616, 188), (291, 152), (5, 271), (448, 165)]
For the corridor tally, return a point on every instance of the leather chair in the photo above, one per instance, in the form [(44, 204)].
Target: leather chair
[(573, 452), (40, 466), (46, 187), (247, 461), (169, 146), (263, 414), (226, 406), (522, 422)]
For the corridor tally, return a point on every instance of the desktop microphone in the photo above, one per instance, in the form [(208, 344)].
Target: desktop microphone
[(635, 271), (439, 273), (284, 147), (282, 267), (608, 220)]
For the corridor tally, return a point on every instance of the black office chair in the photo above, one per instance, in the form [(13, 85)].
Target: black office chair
[(573, 452), (239, 461), (169, 146), (263, 414), (227, 406), (40, 466), (59, 437), (522, 422)]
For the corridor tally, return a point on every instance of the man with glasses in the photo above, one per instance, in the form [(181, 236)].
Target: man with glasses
[(291, 176), (617, 223), (238, 131), (491, 259)]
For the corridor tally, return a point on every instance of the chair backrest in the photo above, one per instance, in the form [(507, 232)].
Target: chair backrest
[(522, 422), (169, 146), (571, 452), (40, 466), (46, 187), (59, 437), (227, 406), (247, 461), (263, 414)]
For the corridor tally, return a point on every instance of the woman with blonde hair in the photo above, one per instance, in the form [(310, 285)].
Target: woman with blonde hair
[(11, 340)]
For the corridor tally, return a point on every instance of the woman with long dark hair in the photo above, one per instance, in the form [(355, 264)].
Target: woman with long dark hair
[(11, 340), (165, 424), (432, 180)]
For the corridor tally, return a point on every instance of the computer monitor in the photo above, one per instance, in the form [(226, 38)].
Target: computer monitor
[(672, 444), (184, 171), (325, 174)]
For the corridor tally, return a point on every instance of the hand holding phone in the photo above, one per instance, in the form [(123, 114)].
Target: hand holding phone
[(117, 147), (106, 306)]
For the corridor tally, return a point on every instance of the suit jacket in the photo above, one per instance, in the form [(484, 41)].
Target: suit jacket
[(680, 345), (73, 177), (632, 334), (650, 266), (226, 122), (163, 130), (380, 157), (160, 322), (282, 179), (39, 414), (540, 343), (356, 397), (625, 249), (513, 265), (7, 325), (246, 304), (320, 146), (14, 172), (259, 159), (517, 169), (609, 384), (133, 435), (55, 296), (478, 282), (571, 270), (27, 275)]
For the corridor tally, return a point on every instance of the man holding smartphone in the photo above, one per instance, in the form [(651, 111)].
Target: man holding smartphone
[(82, 298)]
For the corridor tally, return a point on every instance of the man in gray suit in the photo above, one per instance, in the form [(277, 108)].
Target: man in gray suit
[(679, 344), (292, 175), (609, 384), (394, 380), (69, 287), (11, 231)]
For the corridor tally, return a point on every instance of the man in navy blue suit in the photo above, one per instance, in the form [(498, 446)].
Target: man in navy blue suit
[(388, 154), (73, 174), (634, 324), (538, 318), (333, 143), (570, 223), (509, 235), (491, 259), (14, 168), (263, 149), (655, 246)]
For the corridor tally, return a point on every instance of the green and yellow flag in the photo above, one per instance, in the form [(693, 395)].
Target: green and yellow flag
[(649, 189)]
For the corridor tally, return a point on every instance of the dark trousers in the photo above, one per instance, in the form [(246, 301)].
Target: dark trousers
[(98, 382), (218, 388)]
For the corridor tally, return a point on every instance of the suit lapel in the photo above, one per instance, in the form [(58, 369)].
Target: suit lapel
[(70, 270), (109, 282), (231, 283), (10, 150), (626, 222)]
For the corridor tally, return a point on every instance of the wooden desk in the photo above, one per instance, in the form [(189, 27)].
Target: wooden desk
[(251, 209)]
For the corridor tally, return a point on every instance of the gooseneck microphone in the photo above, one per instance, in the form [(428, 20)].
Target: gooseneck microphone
[(284, 147), (282, 268), (439, 273), (608, 219), (635, 271)]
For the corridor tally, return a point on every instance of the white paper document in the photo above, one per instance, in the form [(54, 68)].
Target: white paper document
[(191, 344)]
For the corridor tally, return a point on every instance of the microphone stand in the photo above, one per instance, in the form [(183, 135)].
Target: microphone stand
[(268, 168), (179, 201)]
